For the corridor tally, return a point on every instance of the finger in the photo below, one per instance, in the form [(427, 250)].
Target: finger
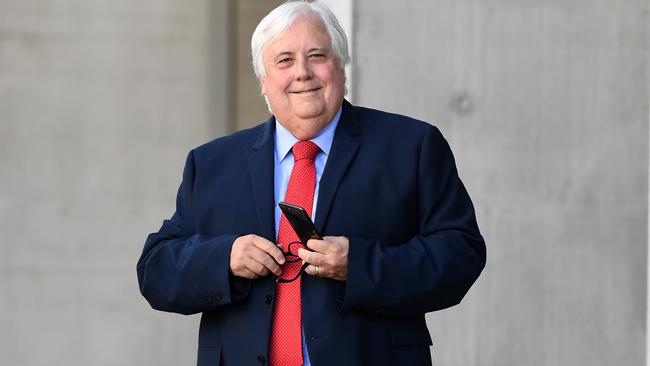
[(257, 267), (251, 274), (267, 261), (319, 246), (269, 248), (334, 239), (311, 257), (312, 270), (340, 241), (337, 245), (242, 262), (245, 273)]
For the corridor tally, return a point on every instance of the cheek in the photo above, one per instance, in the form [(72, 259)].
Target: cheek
[(334, 77), (274, 84), (277, 87)]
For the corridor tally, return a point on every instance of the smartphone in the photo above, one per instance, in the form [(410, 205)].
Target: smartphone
[(300, 222)]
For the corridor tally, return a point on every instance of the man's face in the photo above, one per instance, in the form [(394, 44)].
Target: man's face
[(304, 84)]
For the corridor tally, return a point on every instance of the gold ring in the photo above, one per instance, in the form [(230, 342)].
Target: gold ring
[(317, 271)]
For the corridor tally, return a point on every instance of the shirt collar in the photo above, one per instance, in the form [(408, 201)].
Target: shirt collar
[(284, 140)]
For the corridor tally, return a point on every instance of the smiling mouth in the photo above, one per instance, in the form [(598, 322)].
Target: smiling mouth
[(307, 91)]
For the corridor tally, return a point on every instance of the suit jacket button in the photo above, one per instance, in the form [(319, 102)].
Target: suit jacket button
[(261, 359), (268, 299)]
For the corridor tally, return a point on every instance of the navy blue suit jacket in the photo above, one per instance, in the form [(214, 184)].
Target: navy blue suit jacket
[(390, 185)]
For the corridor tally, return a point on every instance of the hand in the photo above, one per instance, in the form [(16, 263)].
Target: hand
[(252, 257), (328, 258)]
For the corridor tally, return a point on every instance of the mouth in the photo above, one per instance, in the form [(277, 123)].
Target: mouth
[(306, 91)]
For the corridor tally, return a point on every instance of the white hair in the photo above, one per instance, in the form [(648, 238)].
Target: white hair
[(283, 17)]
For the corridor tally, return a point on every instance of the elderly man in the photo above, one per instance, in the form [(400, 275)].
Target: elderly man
[(399, 233)]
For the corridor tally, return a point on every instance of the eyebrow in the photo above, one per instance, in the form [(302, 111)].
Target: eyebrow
[(282, 54), (289, 53)]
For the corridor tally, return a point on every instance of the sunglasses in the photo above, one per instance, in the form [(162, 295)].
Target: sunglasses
[(291, 256)]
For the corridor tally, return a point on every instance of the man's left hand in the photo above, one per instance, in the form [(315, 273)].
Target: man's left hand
[(328, 258)]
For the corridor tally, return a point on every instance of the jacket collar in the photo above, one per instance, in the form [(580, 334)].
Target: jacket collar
[(261, 163)]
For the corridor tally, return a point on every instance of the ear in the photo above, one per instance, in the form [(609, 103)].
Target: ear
[(263, 85)]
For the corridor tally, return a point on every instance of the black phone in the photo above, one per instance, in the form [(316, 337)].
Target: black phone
[(300, 222)]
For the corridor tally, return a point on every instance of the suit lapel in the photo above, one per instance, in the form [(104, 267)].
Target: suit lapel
[(344, 148), (261, 165)]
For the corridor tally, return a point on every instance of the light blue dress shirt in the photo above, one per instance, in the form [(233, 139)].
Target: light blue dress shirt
[(284, 141)]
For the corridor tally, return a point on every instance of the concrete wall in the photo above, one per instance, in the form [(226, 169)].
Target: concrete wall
[(99, 103), (250, 109), (546, 107)]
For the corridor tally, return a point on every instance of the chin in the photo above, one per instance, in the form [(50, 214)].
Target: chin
[(310, 111)]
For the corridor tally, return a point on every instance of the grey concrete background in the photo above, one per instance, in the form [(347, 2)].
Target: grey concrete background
[(99, 103), (544, 103), (249, 107)]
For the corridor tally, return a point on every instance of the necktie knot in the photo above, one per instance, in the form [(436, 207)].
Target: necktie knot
[(305, 150)]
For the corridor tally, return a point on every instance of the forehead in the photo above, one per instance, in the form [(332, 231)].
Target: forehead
[(306, 32)]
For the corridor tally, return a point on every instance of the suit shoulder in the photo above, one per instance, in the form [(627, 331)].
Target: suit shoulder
[(393, 122), (239, 140)]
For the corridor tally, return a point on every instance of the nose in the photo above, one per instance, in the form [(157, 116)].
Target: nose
[(303, 69)]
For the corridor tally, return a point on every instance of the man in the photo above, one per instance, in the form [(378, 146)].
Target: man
[(400, 236)]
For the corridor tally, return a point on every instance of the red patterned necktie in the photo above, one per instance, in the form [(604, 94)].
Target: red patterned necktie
[(286, 330)]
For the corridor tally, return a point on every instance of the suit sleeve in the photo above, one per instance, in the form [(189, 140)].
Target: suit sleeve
[(184, 272), (435, 268)]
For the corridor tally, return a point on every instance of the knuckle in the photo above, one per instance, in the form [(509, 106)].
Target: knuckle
[(242, 240), (278, 251), (305, 255), (271, 266), (259, 269)]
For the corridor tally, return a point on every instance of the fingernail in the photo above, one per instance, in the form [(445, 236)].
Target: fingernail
[(281, 261)]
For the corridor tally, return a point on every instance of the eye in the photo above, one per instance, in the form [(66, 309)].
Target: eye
[(284, 61), (317, 56)]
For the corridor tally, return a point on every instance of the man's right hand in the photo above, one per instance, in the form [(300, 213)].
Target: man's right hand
[(253, 256)]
